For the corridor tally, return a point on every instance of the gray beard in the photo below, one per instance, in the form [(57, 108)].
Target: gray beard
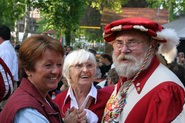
[(127, 69)]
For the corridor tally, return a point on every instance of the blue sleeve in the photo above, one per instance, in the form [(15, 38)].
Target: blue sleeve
[(29, 115)]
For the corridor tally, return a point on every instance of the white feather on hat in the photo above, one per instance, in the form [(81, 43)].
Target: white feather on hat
[(168, 49)]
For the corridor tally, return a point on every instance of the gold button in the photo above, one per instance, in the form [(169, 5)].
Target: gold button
[(138, 89)]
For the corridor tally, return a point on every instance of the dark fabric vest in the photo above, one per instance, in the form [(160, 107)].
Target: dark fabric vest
[(27, 96)]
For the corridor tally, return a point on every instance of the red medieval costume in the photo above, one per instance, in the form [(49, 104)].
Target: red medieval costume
[(156, 96)]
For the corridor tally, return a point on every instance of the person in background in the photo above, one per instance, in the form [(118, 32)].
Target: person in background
[(62, 86), (9, 56), (41, 59), (68, 50), (17, 47), (106, 62), (180, 59), (179, 70), (148, 91), (98, 72), (111, 80), (79, 70), (65, 85), (7, 51), (113, 77)]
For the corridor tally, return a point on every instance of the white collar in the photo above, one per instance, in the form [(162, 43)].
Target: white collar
[(70, 94)]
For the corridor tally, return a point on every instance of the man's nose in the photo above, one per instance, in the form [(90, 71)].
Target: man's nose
[(124, 48)]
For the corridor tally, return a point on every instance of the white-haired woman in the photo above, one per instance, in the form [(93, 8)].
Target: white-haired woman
[(79, 70)]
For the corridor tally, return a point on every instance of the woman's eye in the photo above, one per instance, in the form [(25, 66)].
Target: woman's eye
[(89, 65), (48, 65), (59, 65), (78, 66)]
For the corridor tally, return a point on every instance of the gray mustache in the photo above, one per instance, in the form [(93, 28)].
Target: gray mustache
[(126, 57)]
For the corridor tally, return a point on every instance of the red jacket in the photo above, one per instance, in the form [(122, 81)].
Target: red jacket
[(97, 108), (28, 96)]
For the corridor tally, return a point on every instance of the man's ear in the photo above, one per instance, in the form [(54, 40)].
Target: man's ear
[(154, 43)]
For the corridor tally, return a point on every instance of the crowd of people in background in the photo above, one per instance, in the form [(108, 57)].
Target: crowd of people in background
[(61, 84)]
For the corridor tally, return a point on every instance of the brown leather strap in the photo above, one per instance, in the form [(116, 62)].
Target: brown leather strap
[(89, 102)]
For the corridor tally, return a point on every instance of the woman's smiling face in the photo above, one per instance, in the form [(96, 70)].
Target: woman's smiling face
[(48, 71), (82, 74)]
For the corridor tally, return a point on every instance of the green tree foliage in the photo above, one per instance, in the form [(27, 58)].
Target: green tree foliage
[(61, 15), (115, 5), (175, 7), (64, 16), (10, 10), (136, 3), (5, 13), (92, 17)]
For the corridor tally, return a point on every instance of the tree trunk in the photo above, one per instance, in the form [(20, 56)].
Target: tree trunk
[(27, 18), (68, 37), (16, 38)]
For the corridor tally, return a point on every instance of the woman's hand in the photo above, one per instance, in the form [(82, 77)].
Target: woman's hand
[(71, 115), (82, 116), (74, 115)]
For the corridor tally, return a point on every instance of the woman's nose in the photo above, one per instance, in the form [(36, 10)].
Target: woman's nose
[(84, 68), (56, 69)]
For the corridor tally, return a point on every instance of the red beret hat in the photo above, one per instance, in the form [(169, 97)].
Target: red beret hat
[(166, 37), (142, 24)]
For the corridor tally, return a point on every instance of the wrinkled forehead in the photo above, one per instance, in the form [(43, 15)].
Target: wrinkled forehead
[(87, 60)]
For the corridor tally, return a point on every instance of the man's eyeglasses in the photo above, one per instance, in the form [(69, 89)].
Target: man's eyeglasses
[(130, 44), (80, 67)]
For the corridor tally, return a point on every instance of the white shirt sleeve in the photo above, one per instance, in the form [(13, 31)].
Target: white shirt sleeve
[(29, 115), (91, 116)]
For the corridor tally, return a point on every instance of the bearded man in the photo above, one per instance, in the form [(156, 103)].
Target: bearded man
[(148, 91)]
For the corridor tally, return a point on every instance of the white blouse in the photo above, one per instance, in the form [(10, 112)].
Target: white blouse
[(91, 116)]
